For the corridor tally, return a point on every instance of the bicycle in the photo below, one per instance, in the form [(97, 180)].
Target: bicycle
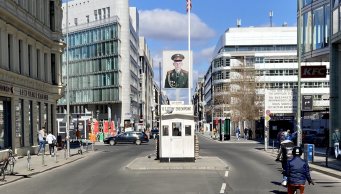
[(7, 165)]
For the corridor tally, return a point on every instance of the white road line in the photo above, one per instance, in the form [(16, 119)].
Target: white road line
[(223, 187), (226, 173)]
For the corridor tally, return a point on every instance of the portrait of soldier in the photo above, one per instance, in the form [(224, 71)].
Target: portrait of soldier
[(177, 77)]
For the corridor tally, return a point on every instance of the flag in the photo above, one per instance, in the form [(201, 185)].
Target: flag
[(189, 5)]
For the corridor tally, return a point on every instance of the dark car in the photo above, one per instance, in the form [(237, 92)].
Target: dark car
[(135, 137), (154, 132)]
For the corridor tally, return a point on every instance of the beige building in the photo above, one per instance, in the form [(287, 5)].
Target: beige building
[(30, 73)]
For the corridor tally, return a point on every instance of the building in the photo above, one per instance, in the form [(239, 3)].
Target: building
[(321, 35), (248, 62), (146, 85), (198, 103), (104, 62), (30, 71)]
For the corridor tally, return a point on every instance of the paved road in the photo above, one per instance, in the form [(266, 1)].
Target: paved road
[(251, 171)]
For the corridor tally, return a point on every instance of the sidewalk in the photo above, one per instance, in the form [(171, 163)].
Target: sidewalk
[(318, 164), (36, 163)]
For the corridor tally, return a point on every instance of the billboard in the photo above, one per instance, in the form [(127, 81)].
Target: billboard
[(176, 69), (280, 101)]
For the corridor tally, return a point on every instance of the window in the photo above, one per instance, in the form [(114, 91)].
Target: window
[(318, 24), (38, 65), (108, 12), (76, 21), (87, 19), (188, 131), (176, 128), (20, 56), (29, 57), (95, 13), (10, 53), (165, 130)]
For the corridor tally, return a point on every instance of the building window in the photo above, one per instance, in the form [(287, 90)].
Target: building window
[(335, 21), (307, 34), (95, 13), (326, 25), (20, 55), (38, 65), (318, 28), (19, 115), (52, 16), (53, 69), (108, 12), (9, 48), (76, 21), (30, 121), (46, 78), (87, 19), (29, 57)]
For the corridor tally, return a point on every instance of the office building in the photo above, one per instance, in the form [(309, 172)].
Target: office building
[(30, 71)]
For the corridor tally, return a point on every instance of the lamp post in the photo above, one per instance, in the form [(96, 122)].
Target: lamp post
[(67, 83)]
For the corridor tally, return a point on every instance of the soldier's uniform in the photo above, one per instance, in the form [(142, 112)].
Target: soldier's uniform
[(176, 80)]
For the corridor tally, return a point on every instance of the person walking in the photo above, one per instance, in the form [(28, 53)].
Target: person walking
[(336, 140), (297, 172), (237, 133), (41, 140), (245, 133), (51, 140)]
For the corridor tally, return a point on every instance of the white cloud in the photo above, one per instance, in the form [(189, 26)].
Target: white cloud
[(170, 25)]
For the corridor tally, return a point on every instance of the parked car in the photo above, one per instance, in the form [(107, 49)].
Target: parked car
[(154, 132), (135, 137)]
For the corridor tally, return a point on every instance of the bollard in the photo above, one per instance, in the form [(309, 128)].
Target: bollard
[(223, 136), (273, 145), (28, 160), (65, 150), (87, 146)]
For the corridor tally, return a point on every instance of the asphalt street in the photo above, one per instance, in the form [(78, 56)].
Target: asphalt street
[(251, 170)]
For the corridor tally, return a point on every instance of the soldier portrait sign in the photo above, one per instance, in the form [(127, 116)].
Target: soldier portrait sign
[(176, 69)]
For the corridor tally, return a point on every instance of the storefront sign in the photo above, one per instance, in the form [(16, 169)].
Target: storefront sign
[(4, 88), (313, 71), (177, 109), (281, 100), (33, 94)]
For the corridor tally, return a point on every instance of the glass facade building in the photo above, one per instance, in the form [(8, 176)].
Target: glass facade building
[(94, 65)]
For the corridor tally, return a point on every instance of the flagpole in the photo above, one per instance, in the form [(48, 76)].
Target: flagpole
[(189, 5)]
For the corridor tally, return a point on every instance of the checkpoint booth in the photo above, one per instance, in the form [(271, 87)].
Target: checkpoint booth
[(177, 133)]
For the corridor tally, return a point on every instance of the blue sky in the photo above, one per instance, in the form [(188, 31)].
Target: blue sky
[(164, 24)]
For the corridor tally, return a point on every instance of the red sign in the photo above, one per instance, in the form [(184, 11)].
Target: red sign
[(313, 71)]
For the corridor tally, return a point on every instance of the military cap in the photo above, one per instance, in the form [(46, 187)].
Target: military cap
[(178, 57)]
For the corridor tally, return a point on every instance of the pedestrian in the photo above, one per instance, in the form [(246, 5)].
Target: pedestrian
[(250, 133), (245, 133), (51, 140), (279, 138), (297, 172), (237, 133), (336, 140), (41, 140)]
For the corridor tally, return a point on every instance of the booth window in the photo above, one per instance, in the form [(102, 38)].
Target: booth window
[(188, 130), (165, 131), (176, 126)]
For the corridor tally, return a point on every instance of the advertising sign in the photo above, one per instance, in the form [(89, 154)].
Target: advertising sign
[(307, 102), (176, 69), (313, 71), (281, 100)]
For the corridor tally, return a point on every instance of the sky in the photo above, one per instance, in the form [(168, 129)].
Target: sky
[(164, 25)]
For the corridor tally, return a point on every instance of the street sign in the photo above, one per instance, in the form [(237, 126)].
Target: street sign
[(267, 118), (307, 102)]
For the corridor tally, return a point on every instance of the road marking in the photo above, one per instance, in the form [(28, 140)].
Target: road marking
[(223, 187), (226, 173)]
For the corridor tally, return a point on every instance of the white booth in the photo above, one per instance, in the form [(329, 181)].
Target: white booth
[(177, 133)]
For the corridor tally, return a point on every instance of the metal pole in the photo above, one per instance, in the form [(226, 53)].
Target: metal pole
[(189, 53), (299, 46), (67, 83), (28, 160), (160, 102)]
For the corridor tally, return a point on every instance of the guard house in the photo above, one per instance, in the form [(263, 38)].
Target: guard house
[(177, 133)]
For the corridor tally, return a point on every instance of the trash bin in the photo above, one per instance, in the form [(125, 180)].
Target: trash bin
[(309, 152)]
